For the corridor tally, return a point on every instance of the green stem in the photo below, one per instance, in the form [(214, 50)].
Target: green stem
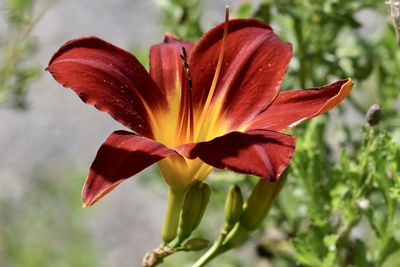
[(171, 221), (213, 252), (236, 237), (388, 230), (298, 29), (216, 249), (224, 243)]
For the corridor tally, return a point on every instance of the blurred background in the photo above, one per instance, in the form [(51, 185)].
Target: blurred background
[(48, 137)]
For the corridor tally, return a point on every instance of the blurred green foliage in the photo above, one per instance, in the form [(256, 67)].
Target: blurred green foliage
[(331, 201), (181, 17), (339, 206), (329, 42), (17, 48), (45, 228)]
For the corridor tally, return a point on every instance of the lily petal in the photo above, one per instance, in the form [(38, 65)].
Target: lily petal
[(168, 67), (295, 106), (258, 152), (166, 64), (254, 63), (122, 155), (109, 78)]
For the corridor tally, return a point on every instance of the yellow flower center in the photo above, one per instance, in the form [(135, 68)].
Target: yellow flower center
[(183, 124)]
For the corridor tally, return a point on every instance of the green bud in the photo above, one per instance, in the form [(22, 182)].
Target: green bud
[(233, 206), (260, 202), (196, 244), (194, 206)]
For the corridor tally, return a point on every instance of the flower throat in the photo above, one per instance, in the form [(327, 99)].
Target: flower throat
[(193, 127)]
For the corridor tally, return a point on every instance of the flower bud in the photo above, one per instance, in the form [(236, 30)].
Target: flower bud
[(373, 115), (260, 202), (233, 206), (395, 14), (196, 244), (194, 207)]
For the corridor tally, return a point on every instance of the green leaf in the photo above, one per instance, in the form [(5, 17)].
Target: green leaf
[(360, 254), (393, 260), (389, 248), (245, 11)]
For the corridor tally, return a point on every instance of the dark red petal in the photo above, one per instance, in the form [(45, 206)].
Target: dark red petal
[(254, 64), (109, 78), (292, 107), (122, 155), (166, 65), (257, 152)]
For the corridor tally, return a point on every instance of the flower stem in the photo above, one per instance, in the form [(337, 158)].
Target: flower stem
[(171, 221), (155, 257), (257, 208), (298, 29), (224, 243), (213, 252)]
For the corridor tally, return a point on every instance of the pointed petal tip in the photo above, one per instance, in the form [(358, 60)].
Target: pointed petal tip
[(169, 37), (348, 83), (343, 92), (121, 156), (292, 107), (91, 196), (87, 201)]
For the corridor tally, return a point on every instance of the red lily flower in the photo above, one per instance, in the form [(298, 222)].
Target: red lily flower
[(213, 104)]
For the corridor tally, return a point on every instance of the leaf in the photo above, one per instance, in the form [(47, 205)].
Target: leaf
[(360, 254), (245, 11), (393, 260), (390, 247)]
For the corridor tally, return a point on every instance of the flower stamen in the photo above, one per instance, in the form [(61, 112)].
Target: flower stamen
[(186, 121), (216, 74)]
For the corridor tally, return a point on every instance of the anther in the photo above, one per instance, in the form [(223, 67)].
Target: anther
[(187, 120), (186, 67)]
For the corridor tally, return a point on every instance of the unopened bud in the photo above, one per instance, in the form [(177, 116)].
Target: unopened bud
[(233, 206), (196, 244), (260, 202), (395, 13), (195, 204), (373, 115)]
